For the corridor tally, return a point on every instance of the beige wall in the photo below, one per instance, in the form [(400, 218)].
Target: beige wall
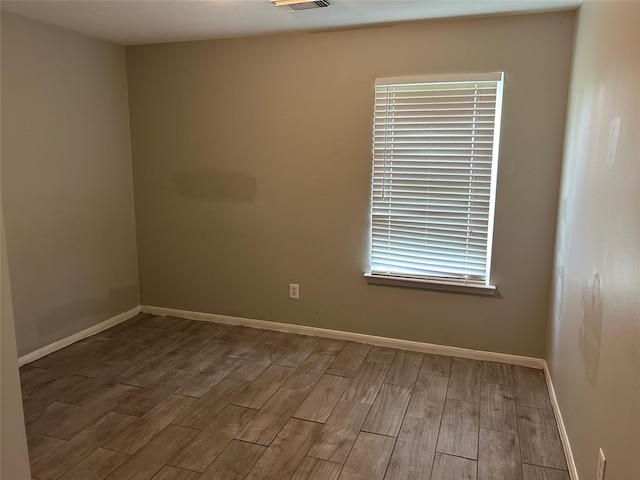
[(252, 163), (14, 458), (594, 343), (66, 181)]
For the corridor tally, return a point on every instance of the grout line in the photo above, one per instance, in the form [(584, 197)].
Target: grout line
[(435, 447), (535, 408), (116, 451), (544, 466), (456, 456), (395, 441), (188, 469), (380, 434), (358, 434), (517, 435)]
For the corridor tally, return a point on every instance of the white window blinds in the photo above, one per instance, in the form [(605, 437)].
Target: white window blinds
[(435, 152)]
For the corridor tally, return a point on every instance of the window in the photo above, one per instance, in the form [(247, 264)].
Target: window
[(435, 156)]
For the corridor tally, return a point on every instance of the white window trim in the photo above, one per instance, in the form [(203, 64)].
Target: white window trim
[(428, 284), (456, 77), (443, 283)]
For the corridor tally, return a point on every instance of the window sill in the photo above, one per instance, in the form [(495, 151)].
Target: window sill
[(443, 285)]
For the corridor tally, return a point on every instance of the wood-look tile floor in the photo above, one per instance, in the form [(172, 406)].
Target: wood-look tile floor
[(164, 399)]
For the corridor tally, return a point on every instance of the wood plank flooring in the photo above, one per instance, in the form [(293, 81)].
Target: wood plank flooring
[(159, 398)]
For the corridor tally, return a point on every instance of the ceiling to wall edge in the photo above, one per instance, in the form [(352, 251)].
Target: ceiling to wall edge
[(84, 22)]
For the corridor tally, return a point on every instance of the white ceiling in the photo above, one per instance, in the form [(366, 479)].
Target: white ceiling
[(131, 22)]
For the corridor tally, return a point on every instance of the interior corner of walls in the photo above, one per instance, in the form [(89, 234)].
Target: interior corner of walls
[(78, 259), (14, 457), (77, 336), (562, 430)]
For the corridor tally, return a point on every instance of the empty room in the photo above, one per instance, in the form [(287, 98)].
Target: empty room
[(320, 240)]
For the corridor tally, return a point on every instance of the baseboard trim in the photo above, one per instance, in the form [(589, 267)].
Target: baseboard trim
[(531, 362), (349, 336), (88, 332), (326, 333), (564, 437)]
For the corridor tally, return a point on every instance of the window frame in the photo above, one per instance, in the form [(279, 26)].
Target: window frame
[(442, 282)]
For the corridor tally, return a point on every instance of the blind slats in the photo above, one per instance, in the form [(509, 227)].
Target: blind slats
[(433, 181)]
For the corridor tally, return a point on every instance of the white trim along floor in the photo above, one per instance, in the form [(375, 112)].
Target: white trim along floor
[(326, 333)]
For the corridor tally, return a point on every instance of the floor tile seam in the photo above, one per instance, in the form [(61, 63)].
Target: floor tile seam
[(380, 434), (455, 455), (544, 466), (437, 436)]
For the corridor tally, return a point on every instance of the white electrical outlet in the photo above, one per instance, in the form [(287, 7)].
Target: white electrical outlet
[(602, 463), (294, 291)]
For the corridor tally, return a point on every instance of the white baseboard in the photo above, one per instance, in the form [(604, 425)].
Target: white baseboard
[(571, 464), (326, 333), (88, 332), (531, 362), (349, 336)]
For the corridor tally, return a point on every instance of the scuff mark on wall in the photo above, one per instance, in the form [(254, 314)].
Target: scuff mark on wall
[(559, 292), (216, 185), (589, 337), (614, 134), (563, 208)]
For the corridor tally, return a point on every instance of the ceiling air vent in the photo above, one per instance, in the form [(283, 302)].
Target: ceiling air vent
[(301, 4)]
